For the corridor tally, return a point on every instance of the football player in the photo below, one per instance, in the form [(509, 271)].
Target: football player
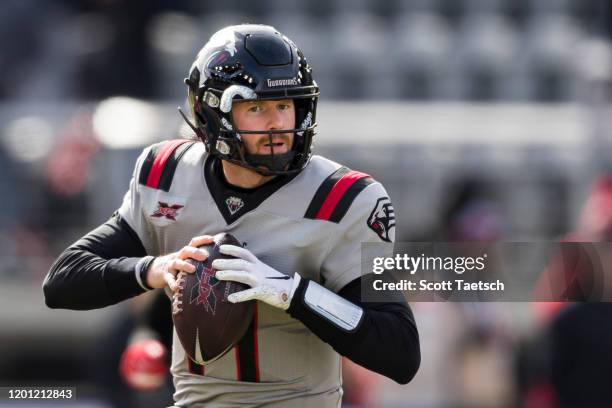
[(303, 218)]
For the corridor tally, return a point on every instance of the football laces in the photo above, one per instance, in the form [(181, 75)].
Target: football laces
[(176, 297)]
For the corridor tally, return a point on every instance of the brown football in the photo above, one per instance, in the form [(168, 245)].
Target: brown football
[(207, 324)]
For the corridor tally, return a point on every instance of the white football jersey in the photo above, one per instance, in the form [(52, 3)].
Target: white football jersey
[(312, 223)]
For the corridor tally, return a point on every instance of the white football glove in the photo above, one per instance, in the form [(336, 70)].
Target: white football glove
[(267, 284)]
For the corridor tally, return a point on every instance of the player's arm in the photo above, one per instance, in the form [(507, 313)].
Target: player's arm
[(98, 270), (381, 336), (110, 264)]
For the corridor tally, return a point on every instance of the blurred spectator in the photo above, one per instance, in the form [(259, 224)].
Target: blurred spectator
[(69, 162), (472, 213), (480, 373), (573, 350), (577, 272), (581, 357), (65, 204), (148, 317)]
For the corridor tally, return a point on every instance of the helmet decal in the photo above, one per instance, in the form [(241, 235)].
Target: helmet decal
[(228, 96), (225, 39), (226, 123), (305, 123), (282, 82)]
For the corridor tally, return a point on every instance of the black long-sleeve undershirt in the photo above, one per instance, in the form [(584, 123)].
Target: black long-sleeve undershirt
[(98, 270), (386, 340)]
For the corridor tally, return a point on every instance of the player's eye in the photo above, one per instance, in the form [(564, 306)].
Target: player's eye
[(255, 108), (284, 106)]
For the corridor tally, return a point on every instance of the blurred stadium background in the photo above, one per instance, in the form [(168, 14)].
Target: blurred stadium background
[(485, 120)]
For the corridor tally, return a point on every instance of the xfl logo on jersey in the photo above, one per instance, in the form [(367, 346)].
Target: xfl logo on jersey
[(166, 210)]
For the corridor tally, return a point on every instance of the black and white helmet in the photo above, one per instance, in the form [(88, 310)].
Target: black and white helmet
[(251, 62)]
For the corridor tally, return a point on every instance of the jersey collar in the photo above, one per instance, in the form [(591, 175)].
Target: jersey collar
[(233, 201)]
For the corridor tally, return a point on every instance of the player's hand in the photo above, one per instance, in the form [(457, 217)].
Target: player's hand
[(267, 284), (163, 269)]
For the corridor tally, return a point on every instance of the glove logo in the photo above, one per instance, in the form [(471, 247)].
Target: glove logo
[(166, 210), (382, 218), (234, 204), (203, 294)]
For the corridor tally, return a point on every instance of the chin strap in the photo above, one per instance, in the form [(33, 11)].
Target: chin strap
[(272, 162), (186, 119)]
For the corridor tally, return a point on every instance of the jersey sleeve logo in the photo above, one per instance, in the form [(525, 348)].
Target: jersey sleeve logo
[(166, 210), (382, 218)]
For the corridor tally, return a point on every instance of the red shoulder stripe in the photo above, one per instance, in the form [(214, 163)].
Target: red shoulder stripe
[(338, 190), (160, 161)]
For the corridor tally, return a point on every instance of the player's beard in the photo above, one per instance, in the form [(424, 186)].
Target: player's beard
[(270, 145), (272, 159)]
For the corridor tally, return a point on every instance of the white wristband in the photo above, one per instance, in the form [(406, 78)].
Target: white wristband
[(138, 271), (334, 308)]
